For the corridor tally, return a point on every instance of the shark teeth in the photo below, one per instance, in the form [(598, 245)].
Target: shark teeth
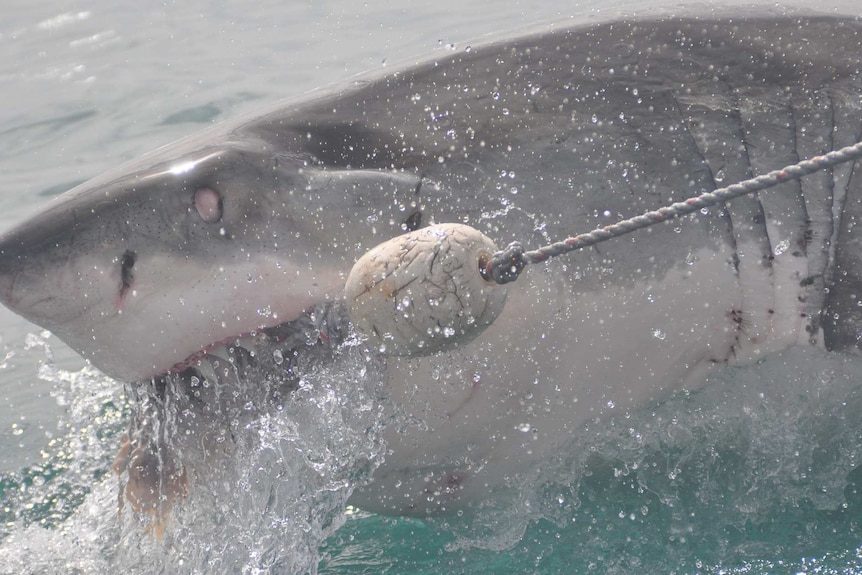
[(324, 327)]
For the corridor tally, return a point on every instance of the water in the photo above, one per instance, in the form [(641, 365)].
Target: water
[(757, 473)]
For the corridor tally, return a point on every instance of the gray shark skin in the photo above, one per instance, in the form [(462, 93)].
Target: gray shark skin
[(252, 223)]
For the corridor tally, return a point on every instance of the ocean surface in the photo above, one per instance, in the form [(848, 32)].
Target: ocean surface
[(760, 472)]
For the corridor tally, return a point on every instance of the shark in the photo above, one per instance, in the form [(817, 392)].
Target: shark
[(241, 237)]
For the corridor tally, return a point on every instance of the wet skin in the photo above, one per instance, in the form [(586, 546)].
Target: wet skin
[(245, 227)]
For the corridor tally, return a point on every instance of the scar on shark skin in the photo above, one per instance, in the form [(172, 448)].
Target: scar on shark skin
[(475, 379)]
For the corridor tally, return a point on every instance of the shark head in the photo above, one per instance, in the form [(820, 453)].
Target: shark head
[(202, 242)]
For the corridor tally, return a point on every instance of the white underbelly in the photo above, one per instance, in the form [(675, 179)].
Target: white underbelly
[(475, 420)]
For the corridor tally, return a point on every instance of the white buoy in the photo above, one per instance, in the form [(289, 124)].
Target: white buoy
[(425, 291)]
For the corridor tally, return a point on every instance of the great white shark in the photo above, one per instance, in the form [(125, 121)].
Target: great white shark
[(239, 232)]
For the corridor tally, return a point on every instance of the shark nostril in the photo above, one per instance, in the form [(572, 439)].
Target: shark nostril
[(127, 276)]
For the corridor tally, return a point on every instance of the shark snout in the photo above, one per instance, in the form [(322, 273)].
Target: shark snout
[(35, 290), (17, 292), (16, 282), (47, 277)]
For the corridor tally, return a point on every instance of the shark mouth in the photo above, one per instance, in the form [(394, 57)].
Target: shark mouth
[(268, 354)]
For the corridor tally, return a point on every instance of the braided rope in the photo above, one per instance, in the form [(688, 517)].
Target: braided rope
[(507, 264)]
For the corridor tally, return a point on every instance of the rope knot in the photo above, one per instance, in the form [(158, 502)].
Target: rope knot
[(506, 265)]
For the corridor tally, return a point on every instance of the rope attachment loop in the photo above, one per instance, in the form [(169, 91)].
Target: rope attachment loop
[(506, 265)]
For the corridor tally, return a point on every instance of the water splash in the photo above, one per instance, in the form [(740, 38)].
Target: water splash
[(262, 501), (758, 472), (749, 475)]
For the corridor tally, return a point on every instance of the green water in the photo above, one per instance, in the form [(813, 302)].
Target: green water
[(750, 475), (611, 531), (617, 526)]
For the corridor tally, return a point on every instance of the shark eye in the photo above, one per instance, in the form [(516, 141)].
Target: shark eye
[(209, 205)]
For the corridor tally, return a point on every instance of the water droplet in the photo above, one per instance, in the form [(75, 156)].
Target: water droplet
[(278, 357), (524, 427), (659, 334), (782, 247)]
